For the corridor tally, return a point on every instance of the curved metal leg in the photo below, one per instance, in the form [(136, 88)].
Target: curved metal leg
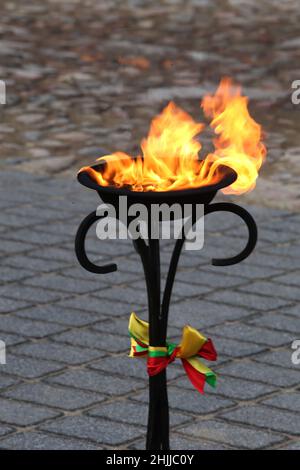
[(221, 206), (80, 247), (252, 230), (171, 278)]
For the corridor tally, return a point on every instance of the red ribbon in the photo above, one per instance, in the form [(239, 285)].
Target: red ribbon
[(155, 365)]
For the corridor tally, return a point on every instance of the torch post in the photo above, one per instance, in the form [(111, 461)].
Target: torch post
[(158, 418)]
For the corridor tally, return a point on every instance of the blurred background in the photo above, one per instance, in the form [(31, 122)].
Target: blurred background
[(84, 78)]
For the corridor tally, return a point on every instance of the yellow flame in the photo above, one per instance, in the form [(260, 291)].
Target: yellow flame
[(170, 153), (238, 142)]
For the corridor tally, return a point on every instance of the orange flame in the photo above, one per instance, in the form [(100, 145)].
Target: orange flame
[(238, 142), (170, 153)]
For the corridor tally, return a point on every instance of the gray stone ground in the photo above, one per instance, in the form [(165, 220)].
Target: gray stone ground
[(68, 383), (85, 77)]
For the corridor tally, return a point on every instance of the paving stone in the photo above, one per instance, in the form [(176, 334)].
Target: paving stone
[(7, 381), (10, 305), (131, 368), (261, 372), (93, 304), (65, 227), (28, 328), (208, 252), (202, 314), (281, 357), (285, 249), (57, 314), (289, 278), (276, 225), (184, 289), (260, 212), (21, 179), (32, 440), (221, 239), (30, 368), (292, 310), (238, 271), (112, 247), (190, 401), (186, 260), (288, 401), (265, 417), (23, 414), (117, 277), (220, 222), (232, 348), (278, 321), (293, 218), (116, 326), (277, 237), (178, 442), (64, 284), (12, 220), (39, 238), (252, 334), (93, 339), (33, 264), (5, 430), (272, 260), (96, 382), (212, 279), (31, 294), (11, 339), (11, 274), (58, 352), (125, 411), (250, 301), (236, 436), (127, 265), (268, 288), (232, 388), (13, 247), (51, 396), (180, 289), (95, 429), (32, 211), (54, 253), (129, 295)]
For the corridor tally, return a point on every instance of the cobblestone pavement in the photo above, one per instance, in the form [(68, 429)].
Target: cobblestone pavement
[(68, 383), (85, 77)]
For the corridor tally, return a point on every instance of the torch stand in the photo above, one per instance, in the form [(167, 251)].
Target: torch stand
[(158, 418)]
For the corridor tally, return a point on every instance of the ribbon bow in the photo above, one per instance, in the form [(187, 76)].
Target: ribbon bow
[(193, 344)]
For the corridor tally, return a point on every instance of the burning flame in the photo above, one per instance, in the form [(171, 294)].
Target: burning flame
[(170, 153)]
